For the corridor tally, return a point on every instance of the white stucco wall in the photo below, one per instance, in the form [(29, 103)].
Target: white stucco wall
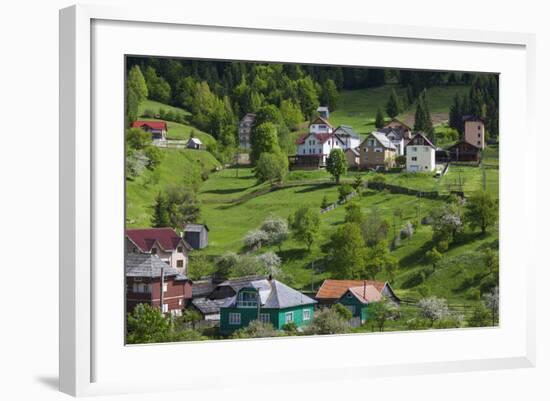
[(420, 158)]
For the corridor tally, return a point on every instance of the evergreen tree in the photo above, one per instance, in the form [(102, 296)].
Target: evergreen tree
[(393, 106), (422, 117), (136, 92), (161, 217), (379, 122), (330, 95), (455, 113)]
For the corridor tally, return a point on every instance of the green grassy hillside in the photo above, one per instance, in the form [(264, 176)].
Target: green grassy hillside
[(175, 130), (358, 107), (178, 167)]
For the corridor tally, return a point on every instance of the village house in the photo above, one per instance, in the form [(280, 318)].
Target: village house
[(377, 152), (352, 157), (474, 131), (245, 127), (331, 291), (323, 112), (194, 143), (397, 136), (463, 151), (269, 301), (420, 154), (163, 242), (151, 281), (157, 129), (357, 300), (348, 136), (400, 126), (196, 235)]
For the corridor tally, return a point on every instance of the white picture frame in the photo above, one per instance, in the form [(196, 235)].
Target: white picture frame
[(93, 358)]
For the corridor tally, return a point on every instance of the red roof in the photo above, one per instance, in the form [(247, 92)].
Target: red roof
[(366, 293), (320, 137), (152, 124), (334, 289), (145, 238)]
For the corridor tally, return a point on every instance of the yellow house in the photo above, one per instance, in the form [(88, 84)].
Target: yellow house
[(377, 152)]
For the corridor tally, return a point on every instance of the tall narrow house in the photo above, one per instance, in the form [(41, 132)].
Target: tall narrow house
[(474, 131)]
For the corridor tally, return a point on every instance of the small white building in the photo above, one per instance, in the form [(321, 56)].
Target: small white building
[(420, 154), (320, 126), (194, 143), (323, 112), (319, 144)]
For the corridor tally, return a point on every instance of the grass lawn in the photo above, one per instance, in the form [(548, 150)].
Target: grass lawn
[(358, 107), (175, 130)]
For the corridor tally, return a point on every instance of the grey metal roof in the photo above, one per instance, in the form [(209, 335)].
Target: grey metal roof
[(383, 139), (195, 227), (276, 295), (203, 288), (348, 130), (399, 132), (149, 265), (208, 306), (195, 140), (322, 108)]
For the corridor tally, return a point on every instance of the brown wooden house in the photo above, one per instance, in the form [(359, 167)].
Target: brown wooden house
[(151, 281), (463, 151)]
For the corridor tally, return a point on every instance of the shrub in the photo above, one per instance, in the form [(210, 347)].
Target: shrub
[(324, 203), (442, 246), (290, 328), (433, 308), (343, 191), (379, 179), (480, 317), (407, 231), (473, 294), (344, 312), (256, 329), (149, 113), (328, 321)]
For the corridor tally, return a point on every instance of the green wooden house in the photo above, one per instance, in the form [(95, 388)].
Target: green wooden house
[(269, 301), (357, 300)]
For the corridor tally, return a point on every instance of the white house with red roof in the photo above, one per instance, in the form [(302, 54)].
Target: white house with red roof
[(319, 141), (163, 242), (157, 129)]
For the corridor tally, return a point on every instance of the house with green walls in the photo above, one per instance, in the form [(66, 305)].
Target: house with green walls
[(357, 300), (269, 301)]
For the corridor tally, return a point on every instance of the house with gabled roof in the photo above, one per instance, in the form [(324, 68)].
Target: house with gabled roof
[(377, 152), (151, 281), (349, 137), (196, 235), (400, 125), (331, 290), (420, 154), (269, 301), (398, 136), (357, 300), (194, 143), (163, 242), (463, 151), (323, 112), (245, 128), (157, 129)]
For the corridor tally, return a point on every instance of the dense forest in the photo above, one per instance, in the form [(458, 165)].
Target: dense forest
[(219, 93)]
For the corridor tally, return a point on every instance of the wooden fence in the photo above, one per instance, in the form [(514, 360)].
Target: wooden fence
[(396, 189)]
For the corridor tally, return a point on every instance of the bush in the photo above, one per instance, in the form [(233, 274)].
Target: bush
[(256, 329), (290, 328), (407, 231), (344, 312), (473, 294), (324, 203), (442, 246), (379, 179), (343, 191), (149, 113), (328, 321)]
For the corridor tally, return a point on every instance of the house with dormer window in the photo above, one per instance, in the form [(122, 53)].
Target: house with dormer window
[(170, 247), (269, 301)]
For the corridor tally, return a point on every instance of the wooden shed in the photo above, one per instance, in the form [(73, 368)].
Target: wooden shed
[(196, 235)]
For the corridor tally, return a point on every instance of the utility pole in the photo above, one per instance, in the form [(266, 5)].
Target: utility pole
[(312, 272), (162, 289)]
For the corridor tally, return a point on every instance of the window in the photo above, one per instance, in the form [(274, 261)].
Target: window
[(164, 287), (141, 288), (234, 318), (426, 149), (413, 158), (479, 135), (135, 250), (164, 308), (479, 143), (289, 317), (378, 150), (247, 299), (180, 249), (479, 127), (304, 152), (180, 302), (349, 295), (307, 314), (265, 318), (154, 251), (413, 148), (179, 263)]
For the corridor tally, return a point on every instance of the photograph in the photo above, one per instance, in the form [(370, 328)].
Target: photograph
[(267, 199)]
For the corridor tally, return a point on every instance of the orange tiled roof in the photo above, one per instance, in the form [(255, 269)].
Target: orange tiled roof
[(333, 289)]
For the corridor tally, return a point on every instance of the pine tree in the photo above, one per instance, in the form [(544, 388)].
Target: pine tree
[(455, 113), (379, 123), (422, 118), (161, 217), (393, 107)]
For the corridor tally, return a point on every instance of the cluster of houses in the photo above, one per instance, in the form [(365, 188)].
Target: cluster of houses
[(380, 149), (159, 134), (156, 274)]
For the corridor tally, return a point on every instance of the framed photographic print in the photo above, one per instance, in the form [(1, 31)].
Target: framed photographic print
[(291, 190)]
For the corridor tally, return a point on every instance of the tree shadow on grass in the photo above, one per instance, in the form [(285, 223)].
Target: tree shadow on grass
[(293, 254), (226, 191), (314, 187)]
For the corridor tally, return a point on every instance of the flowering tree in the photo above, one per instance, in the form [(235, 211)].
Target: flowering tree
[(492, 300), (271, 263), (433, 308), (254, 239), (276, 229)]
